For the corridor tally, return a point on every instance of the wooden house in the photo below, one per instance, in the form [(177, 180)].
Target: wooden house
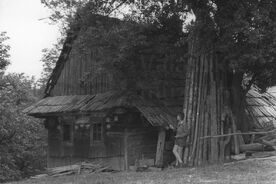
[(90, 114), (96, 120)]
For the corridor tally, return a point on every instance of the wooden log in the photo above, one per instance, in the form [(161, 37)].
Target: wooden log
[(62, 169), (191, 99), (271, 143), (189, 96), (251, 147), (213, 94), (200, 111), (205, 151), (209, 104), (221, 142), (196, 114), (236, 143), (188, 78), (187, 89), (206, 115), (160, 147), (243, 133)]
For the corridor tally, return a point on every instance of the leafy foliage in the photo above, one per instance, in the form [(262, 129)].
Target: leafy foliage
[(246, 38), (22, 138), (49, 59), (135, 54), (242, 32), (126, 47), (65, 12), (4, 51)]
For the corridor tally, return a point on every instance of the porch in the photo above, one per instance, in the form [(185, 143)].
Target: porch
[(120, 128)]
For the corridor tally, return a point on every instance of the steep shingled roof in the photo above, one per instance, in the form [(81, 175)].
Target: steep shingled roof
[(81, 24), (272, 90), (155, 113), (261, 107)]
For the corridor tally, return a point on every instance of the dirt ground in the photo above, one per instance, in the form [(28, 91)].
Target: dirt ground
[(250, 171)]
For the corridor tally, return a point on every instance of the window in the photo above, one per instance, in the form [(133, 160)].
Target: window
[(67, 136), (66, 128), (97, 132)]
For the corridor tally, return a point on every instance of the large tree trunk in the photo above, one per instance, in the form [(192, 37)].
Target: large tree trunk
[(211, 92)]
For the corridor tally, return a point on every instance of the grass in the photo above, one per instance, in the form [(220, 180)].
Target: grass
[(249, 172)]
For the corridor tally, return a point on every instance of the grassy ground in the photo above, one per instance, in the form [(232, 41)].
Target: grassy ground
[(245, 172)]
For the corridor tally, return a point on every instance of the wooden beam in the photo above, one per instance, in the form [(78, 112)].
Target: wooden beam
[(100, 114), (245, 133), (126, 149), (122, 134), (160, 147)]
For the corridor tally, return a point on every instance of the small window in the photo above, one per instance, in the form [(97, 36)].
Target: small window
[(97, 132), (67, 133)]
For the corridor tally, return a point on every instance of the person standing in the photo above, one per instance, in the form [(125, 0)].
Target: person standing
[(182, 132)]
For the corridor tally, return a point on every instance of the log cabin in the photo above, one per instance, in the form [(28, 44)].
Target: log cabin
[(88, 117)]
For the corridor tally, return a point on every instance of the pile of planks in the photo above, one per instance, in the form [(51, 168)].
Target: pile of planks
[(84, 167), (263, 140)]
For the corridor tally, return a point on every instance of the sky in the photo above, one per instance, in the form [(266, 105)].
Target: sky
[(28, 35)]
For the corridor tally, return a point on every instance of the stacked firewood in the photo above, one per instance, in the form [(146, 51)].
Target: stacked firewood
[(84, 167)]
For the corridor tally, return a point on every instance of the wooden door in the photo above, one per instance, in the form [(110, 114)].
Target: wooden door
[(81, 142)]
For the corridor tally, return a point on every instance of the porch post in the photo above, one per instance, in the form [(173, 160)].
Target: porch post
[(160, 147)]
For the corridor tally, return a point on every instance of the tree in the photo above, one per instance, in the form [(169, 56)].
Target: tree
[(231, 47), (4, 51), (239, 42), (22, 138)]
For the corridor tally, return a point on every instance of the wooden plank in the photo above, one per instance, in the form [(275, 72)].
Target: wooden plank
[(236, 143), (243, 133), (160, 147), (126, 149)]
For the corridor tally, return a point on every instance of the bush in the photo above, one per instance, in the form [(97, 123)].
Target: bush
[(22, 138)]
